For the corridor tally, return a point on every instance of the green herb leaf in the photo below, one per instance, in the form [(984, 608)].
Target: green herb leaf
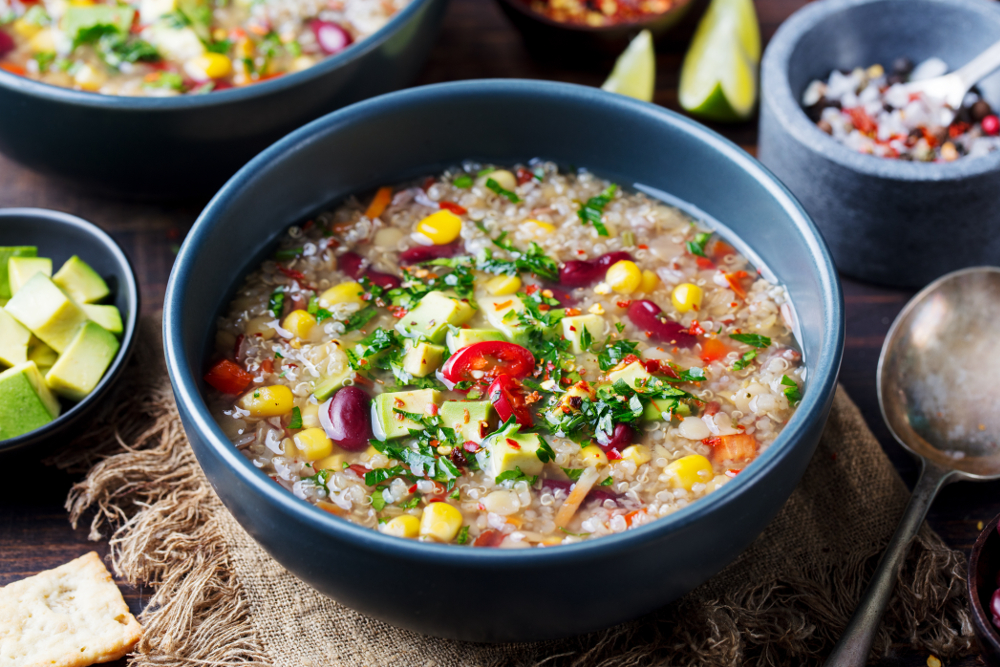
[(573, 534), (592, 212), (276, 303), (614, 353), (360, 318), (697, 246), (411, 503), (463, 535), (608, 481), (296, 418), (378, 501), (515, 475), (463, 181), (319, 313), (745, 360), (792, 391), (286, 254), (544, 451), (497, 188), (755, 340), (573, 473)]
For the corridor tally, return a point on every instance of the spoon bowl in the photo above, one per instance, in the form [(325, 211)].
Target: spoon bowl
[(935, 390)]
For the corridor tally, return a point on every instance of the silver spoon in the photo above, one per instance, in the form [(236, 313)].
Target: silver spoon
[(936, 379), (951, 88)]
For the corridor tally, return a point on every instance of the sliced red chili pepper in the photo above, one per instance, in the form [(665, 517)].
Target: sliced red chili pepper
[(507, 397), (491, 358), (228, 377), (454, 208)]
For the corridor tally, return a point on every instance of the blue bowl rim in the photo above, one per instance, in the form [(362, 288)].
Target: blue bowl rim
[(777, 94), (822, 384), (53, 93), (131, 288)]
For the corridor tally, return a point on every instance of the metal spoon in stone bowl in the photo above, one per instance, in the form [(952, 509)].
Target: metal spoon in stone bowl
[(951, 88), (936, 387)]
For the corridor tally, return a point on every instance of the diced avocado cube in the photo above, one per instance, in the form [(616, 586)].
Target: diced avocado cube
[(14, 339), (43, 355), (21, 269), (466, 337), (431, 317), (654, 409), (47, 312), (82, 364), (634, 374), (514, 451), (573, 328), (323, 388), (107, 316), (81, 282), (6, 252), (79, 18), (388, 424), (503, 313), (422, 359), (25, 402), (472, 420)]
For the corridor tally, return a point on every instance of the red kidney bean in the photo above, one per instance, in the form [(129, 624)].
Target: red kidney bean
[(384, 280), (331, 37), (346, 418), (351, 263), (647, 316), (583, 272), (564, 298), (620, 438), (425, 253), (6, 43)]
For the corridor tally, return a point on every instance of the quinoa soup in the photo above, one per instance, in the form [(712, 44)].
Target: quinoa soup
[(504, 358)]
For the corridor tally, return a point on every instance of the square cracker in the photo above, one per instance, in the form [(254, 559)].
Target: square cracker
[(71, 616)]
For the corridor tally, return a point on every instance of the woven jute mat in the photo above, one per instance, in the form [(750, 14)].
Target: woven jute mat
[(220, 600)]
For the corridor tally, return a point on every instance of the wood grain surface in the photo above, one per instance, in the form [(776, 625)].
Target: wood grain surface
[(476, 42)]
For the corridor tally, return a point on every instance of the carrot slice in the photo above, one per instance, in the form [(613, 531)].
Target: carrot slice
[(379, 203), (736, 447)]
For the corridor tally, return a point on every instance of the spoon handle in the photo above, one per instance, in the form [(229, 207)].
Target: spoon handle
[(854, 646), (980, 66)]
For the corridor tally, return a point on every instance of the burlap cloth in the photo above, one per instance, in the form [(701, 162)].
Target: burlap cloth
[(221, 600)]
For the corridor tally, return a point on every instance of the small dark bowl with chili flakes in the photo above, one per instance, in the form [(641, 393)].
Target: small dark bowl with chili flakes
[(983, 583), (582, 30), (902, 192)]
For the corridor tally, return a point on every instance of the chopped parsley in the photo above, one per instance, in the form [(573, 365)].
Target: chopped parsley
[(792, 391), (573, 534), (276, 303), (515, 475), (745, 360), (573, 473), (754, 340), (360, 318), (296, 418), (286, 254), (614, 353), (463, 535), (608, 481), (319, 313), (412, 502), (592, 212), (464, 181), (534, 260), (697, 246), (378, 501), (500, 190)]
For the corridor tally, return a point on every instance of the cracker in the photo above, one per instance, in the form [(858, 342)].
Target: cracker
[(71, 616)]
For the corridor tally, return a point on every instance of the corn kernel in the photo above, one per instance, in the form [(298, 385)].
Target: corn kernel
[(542, 226), (624, 277), (313, 444), (638, 454), (690, 470), (90, 79), (26, 29), (209, 66), (404, 525), (440, 521), (272, 401), (592, 455), (331, 462), (503, 285), (686, 296), (351, 292), (441, 227), (299, 323), (503, 178), (310, 415), (244, 47), (649, 281)]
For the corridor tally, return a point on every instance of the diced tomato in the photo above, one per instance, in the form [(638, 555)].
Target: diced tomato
[(523, 176), (454, 208), (713, 349), (507, 396), (736, 447), (491, 358), (228, 377), (489, 538), (704, 263)]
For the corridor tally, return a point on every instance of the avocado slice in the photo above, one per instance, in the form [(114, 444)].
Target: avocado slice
[(465, 337), (79, 18), (430, 319), (82, 364), (25, 402), (513, 451), (21, 269), (388, 424), (502, 312), (81, 282), (654, 409), (6, 252), (634, 374), (48, 313), (573, 328), (472, 420), (107, 316), (14, 338), (323, 388), (43, 355), (422, 359)]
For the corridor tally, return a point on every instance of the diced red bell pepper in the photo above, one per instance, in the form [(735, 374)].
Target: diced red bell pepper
[(228, 377)]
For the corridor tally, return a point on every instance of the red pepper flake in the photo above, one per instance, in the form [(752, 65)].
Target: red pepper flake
[(613, 454), (293, 274), (649, 334), (957, 129), (432, 409), (237, 346), (642, 246), (359, 469), (862, 121), (503, 304), (471, 446), (695, 329), (531, 289), (398, 311), (454, 208), (572, 312), (732, 472), (651, 365), (489, 538), (581, 252), (544, 307), (513, 443), (704, 263), (623, 303), (523, 176), (412, 489)]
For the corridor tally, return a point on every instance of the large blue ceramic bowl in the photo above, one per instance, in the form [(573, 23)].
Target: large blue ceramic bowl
[(419, 132), (179, 147)]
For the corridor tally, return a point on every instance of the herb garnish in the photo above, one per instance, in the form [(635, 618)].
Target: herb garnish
[(792, 391), (697, 246), (296, 418), (592, 212), (360, 318), (614, 352), (608, 481), (533, 261), (745, 360), (500, 190), (286, 254), (463, 535), (464, 181), (276, 303), (573, 473), (515, 475), (755, 340), (319, 313)]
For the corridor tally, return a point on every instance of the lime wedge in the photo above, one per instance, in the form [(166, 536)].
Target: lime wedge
[(635, 70), (719, 75)]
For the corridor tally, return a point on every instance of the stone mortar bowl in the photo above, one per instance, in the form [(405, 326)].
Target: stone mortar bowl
[(886, 221)]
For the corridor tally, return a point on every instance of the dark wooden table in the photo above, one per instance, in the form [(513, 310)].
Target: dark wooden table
[(476, 42)]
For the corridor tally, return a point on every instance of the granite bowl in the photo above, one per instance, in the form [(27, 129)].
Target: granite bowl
[(186, 146), (60, 236), (421, 131), (886, 221), (984, 578)]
